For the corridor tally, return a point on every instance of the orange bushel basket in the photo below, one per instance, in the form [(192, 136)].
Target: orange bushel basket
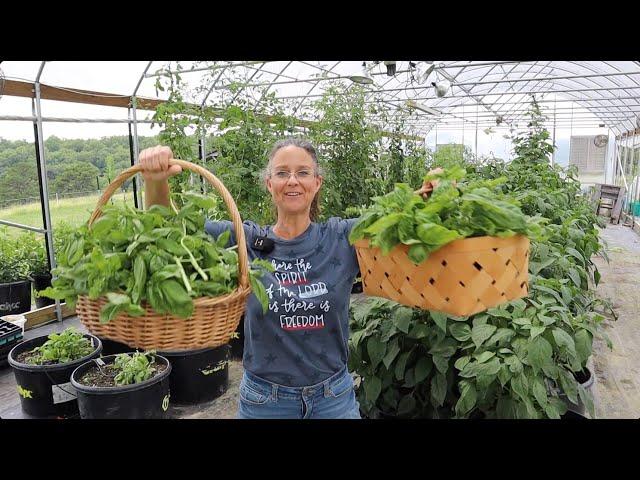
[(214, 319), (463, 277)]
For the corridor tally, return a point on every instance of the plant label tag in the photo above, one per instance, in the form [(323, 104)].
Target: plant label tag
[(64, 392), (100, 362)]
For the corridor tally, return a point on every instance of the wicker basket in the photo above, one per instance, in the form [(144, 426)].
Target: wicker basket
[(214, 319), (464, 277)]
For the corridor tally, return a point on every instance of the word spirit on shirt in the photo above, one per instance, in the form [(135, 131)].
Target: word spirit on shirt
[(291, 278)]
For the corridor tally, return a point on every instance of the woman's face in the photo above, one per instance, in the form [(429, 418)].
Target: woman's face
[(293, 194)]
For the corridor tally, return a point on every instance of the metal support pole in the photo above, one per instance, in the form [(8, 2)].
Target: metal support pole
[(132, 158), (435, 150), (463, 134), (621, 169), (553, 152), (477, 105), (625, 170), (44, 188), (637, 172), (136, 151), (606, 166), (616, 170), (203, 154), (25, 227)]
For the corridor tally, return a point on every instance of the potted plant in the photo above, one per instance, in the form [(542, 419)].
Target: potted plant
[(357, 284), (125, 385), (35, 255), (42, 367), (15, 287), (404, 366)]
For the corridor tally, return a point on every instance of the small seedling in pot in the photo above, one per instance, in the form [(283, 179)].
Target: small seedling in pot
[(63, 347)]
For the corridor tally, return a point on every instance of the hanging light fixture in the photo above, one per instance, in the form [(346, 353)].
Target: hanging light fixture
[(423, 70), (422, 108), (441, 87), (391, 68), (364, 78)]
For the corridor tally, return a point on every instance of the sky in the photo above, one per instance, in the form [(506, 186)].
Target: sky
[(121, 78)]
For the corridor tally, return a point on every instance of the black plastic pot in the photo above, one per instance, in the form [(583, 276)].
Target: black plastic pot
[(147, 400), (15, 297), (586, 379), (237, 343), (45, 390), (571, 415), (40, 282), (198, 375), (357, 284), (111, 347)]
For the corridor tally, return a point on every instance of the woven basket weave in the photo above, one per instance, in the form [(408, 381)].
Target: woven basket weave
[(214, 319), (463, 277)]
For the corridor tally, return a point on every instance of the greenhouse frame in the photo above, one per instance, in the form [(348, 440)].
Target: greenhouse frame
[(409, 99)]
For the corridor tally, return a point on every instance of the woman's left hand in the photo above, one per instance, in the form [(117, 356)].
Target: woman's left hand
[(430, 185)]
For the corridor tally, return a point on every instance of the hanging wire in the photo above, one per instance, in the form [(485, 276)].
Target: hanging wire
[(571, 128), (463, 122), (477, 105)]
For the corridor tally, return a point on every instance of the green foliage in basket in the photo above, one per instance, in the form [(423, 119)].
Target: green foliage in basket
[(161, 256), (454, 210)]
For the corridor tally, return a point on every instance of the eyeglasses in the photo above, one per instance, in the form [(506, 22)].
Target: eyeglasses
[(301, 175)]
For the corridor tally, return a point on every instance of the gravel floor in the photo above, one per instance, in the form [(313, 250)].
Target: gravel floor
[(617, 386)]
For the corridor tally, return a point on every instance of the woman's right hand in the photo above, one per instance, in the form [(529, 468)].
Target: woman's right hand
[(155, 164)]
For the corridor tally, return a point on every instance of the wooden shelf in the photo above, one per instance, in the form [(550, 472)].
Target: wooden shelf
[(46, 315)]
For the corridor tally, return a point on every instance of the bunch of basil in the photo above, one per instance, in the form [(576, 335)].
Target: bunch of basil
[(456, 209), (159, 256)]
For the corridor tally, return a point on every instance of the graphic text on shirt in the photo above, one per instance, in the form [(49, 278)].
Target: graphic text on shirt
[(292, 296)]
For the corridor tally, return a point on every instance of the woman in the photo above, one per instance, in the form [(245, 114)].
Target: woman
[(295, 355)]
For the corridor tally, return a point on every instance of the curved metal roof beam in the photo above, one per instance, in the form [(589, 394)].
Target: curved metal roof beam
[(204, 100), (561, 68), (395, 96), (40, 71), (301, 102), (591, 99), (633, 122), (602, 116), (495, 85), (589, 67), (135, 90), (514, 93), (278, 75), (414, 88), (242, 88)]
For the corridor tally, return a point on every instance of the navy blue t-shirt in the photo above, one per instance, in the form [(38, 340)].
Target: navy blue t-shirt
[(302, 339)]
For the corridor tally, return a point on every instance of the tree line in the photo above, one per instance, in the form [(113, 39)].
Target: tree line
[(73, 165)]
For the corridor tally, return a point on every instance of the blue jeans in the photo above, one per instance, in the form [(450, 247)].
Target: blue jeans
[(333, 398)]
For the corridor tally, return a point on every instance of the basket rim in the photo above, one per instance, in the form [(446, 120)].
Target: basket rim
[(461, 245), (204, 301)]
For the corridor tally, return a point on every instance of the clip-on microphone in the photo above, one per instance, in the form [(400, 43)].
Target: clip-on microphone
[(263, 244)]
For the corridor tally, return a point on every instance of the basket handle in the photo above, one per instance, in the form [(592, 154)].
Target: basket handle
[(217, 184)]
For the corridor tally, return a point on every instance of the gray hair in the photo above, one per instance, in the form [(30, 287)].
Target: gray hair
[(296, 142)]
